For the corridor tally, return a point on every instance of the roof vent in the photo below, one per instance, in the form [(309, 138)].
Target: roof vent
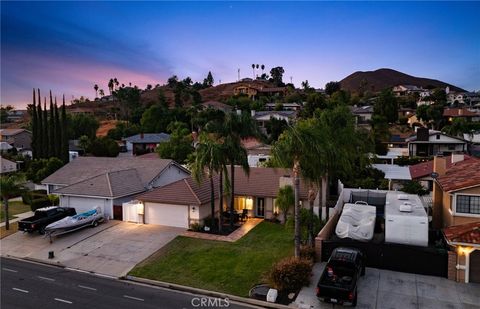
[(405, 207)]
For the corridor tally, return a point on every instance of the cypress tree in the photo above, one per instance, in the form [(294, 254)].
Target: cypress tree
[(64, 134), (40, 142), (58, 135), (33, 111), (51, 130), (46, 142)]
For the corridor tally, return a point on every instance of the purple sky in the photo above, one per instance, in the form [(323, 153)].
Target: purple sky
[(70, 46)]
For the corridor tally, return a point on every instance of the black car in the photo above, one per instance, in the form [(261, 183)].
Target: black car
[(338, 283), (43, 217)]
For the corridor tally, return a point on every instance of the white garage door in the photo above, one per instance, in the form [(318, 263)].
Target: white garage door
[(82, 204), (165, 214)]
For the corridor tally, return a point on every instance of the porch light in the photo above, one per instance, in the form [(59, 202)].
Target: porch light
[(464, 250), (140, 208), (249, 203)]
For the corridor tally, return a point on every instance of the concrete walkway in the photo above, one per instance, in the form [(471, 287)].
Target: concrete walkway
[(19, 217), (236, 235), (381, 288)]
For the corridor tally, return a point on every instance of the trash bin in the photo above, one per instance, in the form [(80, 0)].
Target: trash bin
[(51, 254)]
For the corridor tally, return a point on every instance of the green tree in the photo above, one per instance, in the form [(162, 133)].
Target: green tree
[(104, 147), (84, 143), (276, 74), (83, 124), (33, 114), (129, 98), (39, 169), (46, 131), (4, 113), (208, 82), (10, 186), (64, 135), (156, 118), (332, 87), (285, 199), (40, 136), (314, 101), (95, 87), (380, 134), (179, 147), (51, 129), (58, 134), (386, 105)]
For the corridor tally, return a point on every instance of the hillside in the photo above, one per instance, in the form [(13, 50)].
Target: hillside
[(386, 78)]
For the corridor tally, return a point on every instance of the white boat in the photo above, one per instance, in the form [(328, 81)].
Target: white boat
[(73, 223), (357, 222)]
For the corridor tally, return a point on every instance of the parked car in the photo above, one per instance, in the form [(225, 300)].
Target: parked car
[(338, 283), (43, 217)]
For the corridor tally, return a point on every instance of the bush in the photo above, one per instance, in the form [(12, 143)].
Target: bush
[(196, 227), (307, 253), (27, 197), (290, 274), (54, 199), (104, 147), (39, 203), (414, 187)]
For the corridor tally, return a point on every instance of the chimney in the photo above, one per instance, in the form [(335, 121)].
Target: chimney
[(141, 135), (457, 158), (440, 165), (285, 181)]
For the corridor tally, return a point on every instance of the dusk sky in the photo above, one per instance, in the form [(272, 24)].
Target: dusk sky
[(70, 46)]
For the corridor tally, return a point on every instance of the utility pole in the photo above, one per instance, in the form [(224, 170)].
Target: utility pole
[(291, 80), (238, 75)]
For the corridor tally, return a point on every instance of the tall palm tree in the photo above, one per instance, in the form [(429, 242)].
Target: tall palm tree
[(10, 186), (110, 85), (263, 68), (96, 90), (101, 92), (116, 83), (253, 68)]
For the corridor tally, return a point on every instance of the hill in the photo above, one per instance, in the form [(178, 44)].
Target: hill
[(386, 78)]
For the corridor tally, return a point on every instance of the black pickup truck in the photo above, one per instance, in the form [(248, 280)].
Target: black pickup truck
[(338, 283), (43, 217)]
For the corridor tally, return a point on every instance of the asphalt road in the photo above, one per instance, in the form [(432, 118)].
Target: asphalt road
[(31, 285)]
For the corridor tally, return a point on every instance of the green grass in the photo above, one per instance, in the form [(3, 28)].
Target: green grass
[(14, 208), (213, 265)]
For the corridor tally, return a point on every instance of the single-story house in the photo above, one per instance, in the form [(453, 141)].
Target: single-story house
[(263, 117), (185, 202), (89, 182), (218, 106), (7, 166), (145, 142), (18, 138)]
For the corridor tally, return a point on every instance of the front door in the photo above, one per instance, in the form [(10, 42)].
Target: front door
[(117, 212), (260, 211)]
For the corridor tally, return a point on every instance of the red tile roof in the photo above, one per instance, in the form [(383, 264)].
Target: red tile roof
[(462, 175), (465, 233), (426, 168), (459, 112)]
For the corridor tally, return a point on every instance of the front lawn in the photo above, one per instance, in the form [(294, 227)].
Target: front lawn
[(214, 265), (14, 208)]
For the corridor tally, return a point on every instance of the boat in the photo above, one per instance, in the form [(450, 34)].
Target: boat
[(357, 221), (76, 222)]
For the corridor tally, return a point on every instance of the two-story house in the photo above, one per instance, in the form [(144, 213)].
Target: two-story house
[(426, 143)]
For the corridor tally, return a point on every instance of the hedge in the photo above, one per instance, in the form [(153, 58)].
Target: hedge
[(40, 203)]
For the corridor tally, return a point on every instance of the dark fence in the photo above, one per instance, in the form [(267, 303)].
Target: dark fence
[(411, 259)]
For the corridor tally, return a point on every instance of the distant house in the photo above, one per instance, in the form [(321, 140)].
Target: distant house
[(7, 166), (405, 112), (263, 117), (257, 152), (253, 91), (145, 142), (285, 106), (218, 106), (89, 182), (362, 114), (16, 115), (404, 90), (426, 143), (18, 138), (470, 115)]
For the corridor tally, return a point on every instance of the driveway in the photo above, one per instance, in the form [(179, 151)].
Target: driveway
[(113, 248), (384, 289)]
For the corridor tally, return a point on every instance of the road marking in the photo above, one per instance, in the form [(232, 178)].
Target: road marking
[(8, 269), (20, 290), (135, 298), (45, 278), (63, 300), (87, 287)]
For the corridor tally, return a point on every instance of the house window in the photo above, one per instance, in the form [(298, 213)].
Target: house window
[(468, 204), (451, 147), (438, 136), (276, 209)]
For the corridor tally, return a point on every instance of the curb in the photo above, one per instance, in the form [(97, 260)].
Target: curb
[(183, 288)]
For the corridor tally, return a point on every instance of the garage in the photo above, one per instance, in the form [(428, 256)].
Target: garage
[(475, 266), (82, 204), (166, 214)]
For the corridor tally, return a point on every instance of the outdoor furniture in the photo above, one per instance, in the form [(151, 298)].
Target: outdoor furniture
[(236, 216), (244, 215)]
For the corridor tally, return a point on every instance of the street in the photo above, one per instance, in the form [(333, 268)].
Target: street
[(31, 285)]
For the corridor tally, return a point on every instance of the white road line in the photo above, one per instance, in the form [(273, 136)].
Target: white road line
[(45, 278), (63, 300), (87, 287), (8, 269), (135, 298), (20, 290)]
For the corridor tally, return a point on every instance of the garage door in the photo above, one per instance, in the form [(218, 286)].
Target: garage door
[(475, 266), (165, 214), (82, 204)]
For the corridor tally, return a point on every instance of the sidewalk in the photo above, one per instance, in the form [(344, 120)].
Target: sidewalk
[(236, 235), (19, 217)]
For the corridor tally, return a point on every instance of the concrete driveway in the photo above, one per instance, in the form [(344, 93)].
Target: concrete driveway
[(113, 248), (385, 289)]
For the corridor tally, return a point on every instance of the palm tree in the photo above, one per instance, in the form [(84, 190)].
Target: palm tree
[(96, 90), (110, 85), (10, 186), (263, 68), (285, 199), (253, 68), (116, 83), (101, 92)]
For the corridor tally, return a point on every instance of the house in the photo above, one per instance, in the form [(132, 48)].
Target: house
[(218, 106), (145, 142), (7, 166), (186, 202), (4, 146), (404, 90), (405, 112), (16, 115), (257, 152), (256, 90), (465, 113), (456, 209), (362, 114), (285, 106), (263, 117), (88, 182), (18, 138), (395, 174), (426, 143)]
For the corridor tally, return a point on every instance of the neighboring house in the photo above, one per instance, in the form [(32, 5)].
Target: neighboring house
[(254, 91), (363, 114), (395, 174), (16, 115), (426, 143), (404, 90), (4, 146), (257, 152), (218, 106), (465, 113), (145, 142), (186, 202), (89, 182), (18, 138), (413, 121), (422, 172), (456, 208), (7, 166), (263, 117), (285, 106)]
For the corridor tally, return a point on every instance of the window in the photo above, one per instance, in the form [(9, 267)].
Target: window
[(468, 204), (275, 206), (438, 136)]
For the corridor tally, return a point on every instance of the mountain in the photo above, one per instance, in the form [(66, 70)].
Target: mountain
[(386, 78)]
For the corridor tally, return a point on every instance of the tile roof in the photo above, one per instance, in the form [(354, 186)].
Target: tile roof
[(465, 233), (459, 112), (262, 182), (426, 168), (462, 175), (148, 138), (11, 132)]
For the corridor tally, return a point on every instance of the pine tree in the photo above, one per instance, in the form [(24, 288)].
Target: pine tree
[(33, 112), (64, 134), (40, 142), (46, 140), (58, 135), (51, 130)]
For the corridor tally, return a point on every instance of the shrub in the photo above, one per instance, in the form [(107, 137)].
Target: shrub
[(196, 227), (414, 187), (28, 196), (307, 253), (54, 199), (39, 203), (104, 147), (290, 274)]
